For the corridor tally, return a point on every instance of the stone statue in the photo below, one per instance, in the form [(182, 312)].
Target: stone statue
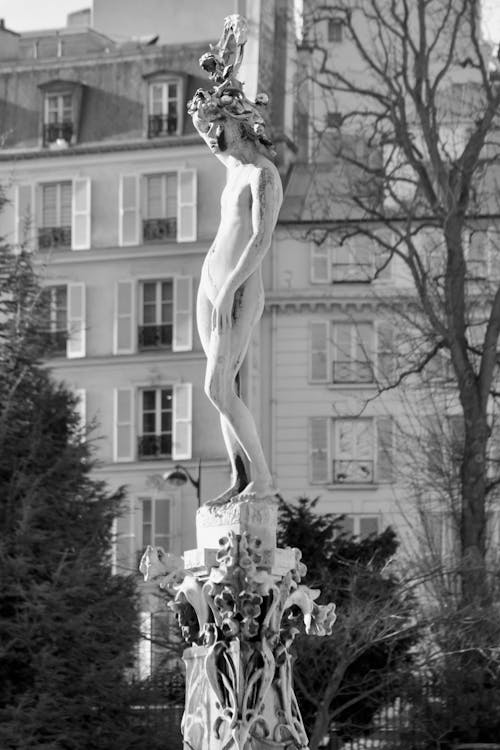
[(231, 294)]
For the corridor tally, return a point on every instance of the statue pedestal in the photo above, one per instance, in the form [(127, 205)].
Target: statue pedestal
[(234, 605)]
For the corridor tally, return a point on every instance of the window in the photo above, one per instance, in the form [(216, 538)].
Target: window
[(165, 202), (155, 439), (351, 451), (349, 260), (334, 119), (360, 525), (160, 212), (154, 653), (58, 118), (335, 30), (156, 527), (164, 109), (54, 309), (164, 320), (55, 216), (163, 416), (349, 352), (62, 309), (157, 305), (352, 353)]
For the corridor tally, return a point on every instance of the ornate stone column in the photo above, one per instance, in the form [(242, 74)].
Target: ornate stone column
[(238, 601)]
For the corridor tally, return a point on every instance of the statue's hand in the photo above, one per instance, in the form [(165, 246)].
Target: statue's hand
[(222, 313)]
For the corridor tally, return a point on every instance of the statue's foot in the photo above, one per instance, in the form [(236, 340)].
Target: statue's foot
[(259, 491), (225, 497)]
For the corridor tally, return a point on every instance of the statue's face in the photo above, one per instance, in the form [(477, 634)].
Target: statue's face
[(221, 136)]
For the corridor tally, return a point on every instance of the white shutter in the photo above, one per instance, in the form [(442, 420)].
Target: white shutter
[(75, 345), (186, 206), (183, 395), (183, 314), (123, 418), (124, 323), (318, 447), (318, 352), (385, 352), (128, 229), (24, 230), (320, 263), (385, 450), (80, 218)]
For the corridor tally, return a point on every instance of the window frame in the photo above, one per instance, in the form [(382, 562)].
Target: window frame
[(158, 433), (159, 323), (336, 37), (58, 235), (164, 80)]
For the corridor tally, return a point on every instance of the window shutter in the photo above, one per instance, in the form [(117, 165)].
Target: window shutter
[(124, 328), (123, 448), (181, 443), (385, 452), (128, 230), (385, 352), (24, 230), (318, 444), (75, 345), (186, 206), (183, 314), (318, 352), (80, 220), (320, 257)]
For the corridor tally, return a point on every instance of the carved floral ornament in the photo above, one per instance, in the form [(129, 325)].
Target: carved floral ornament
[(246, 618)]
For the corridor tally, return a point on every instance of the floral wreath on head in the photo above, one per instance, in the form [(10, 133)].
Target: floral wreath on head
[(226, 98)]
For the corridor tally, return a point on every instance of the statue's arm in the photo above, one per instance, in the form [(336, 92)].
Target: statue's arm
[(266, 198)]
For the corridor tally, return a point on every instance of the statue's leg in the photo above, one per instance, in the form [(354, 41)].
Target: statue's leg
[(237, 457), (225, 355)]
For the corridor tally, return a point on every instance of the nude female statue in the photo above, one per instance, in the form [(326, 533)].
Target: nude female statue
[(231, 294)]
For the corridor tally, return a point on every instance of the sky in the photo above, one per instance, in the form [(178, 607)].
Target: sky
[(27, 15)]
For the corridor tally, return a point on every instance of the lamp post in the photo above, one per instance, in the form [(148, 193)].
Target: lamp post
[(180, 475)]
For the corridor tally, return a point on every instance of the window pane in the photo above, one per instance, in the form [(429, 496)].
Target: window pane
[(149, 314), (172, 90), (49, 205), (149, 292), (149, 400), (171, 195), (146, 510), (155, 204), (167, 291), (66, 200), (368, 525), (148, 423), (166, 421), (167, 313), (166, 399), (162, 517)]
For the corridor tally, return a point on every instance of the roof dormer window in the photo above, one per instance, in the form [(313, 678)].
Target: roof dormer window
[(58, 122), (164, 105), (61, 112)]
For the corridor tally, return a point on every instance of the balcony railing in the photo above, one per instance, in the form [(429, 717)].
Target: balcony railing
[(54, 343), (54, 238), (155, 230), (350, 371), (159, 125), (155, 446), (154, 336), (361, 273), (57, 131), (353, 472)]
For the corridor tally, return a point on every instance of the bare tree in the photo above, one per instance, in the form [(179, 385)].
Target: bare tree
[(411, 100)]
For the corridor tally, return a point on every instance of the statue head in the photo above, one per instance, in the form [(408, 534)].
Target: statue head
[(223, 113)]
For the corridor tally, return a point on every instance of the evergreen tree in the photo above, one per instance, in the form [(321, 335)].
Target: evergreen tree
[(68, 626), (345, 678)]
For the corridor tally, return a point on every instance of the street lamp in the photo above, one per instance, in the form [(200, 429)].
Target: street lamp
[(180, 475)]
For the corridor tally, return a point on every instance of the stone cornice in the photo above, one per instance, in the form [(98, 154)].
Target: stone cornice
[(313, 300)]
